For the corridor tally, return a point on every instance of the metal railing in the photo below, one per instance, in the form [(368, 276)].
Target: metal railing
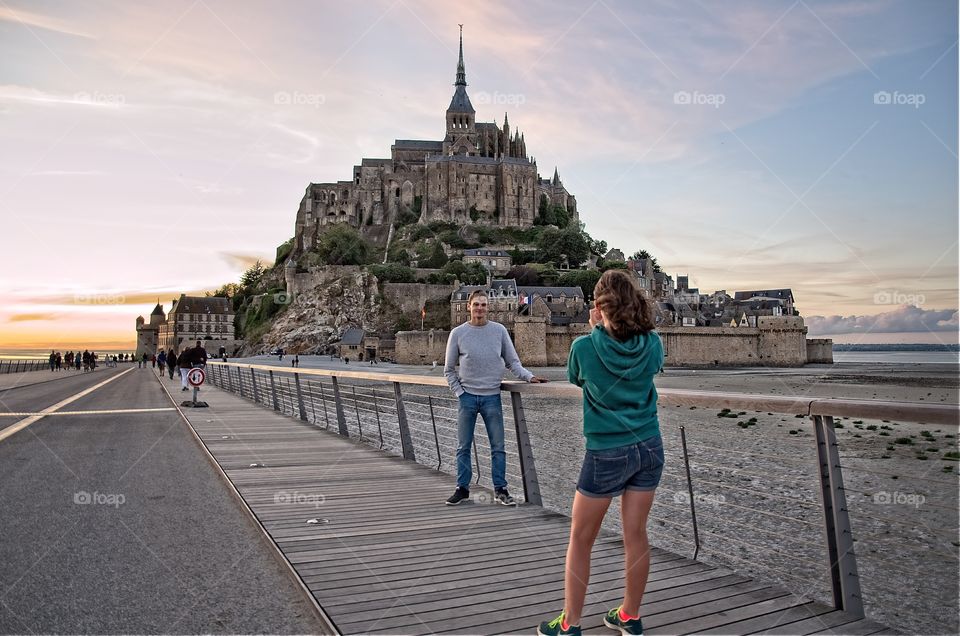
[(20, 366), (759, 511)]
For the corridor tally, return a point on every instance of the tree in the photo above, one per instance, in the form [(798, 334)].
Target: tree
[(555, 245), (585, 279), (393, 273), (640, 255), (437, 258), (342, 245), (252, 277), (524, 275), (468, 274)]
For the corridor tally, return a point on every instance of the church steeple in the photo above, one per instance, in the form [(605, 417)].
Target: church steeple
[(461, 137), (461, 72)]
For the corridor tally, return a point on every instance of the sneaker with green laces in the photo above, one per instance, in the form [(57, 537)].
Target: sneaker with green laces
[(631, 627), (554, 628)]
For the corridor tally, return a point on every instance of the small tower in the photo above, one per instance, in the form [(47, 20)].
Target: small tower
[(290, 275), (506, 136), (556, 177), (157, 316)]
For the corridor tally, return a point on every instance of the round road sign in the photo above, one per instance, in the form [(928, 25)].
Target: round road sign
[(196, 376)]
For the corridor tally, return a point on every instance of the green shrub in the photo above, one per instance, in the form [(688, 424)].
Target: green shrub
[(393, 273)]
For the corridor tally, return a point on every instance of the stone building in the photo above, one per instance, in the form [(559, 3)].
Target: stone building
[(479, 172), (496, 261), (148, 333), (192, 318)]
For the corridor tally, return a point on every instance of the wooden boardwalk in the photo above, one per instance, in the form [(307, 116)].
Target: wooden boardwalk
[(386, 556)]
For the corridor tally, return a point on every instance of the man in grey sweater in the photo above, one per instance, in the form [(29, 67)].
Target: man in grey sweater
[(481, 348)]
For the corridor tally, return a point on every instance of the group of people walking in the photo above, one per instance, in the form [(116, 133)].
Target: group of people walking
[(614, 366), (73, 360), (170, 362)]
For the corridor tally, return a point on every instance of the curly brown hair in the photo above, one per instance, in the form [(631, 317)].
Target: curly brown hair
[(626, 308)]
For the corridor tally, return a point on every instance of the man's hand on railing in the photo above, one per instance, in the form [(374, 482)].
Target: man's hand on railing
[(538, 380)]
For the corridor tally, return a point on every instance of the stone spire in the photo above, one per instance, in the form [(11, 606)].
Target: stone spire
[(556, 176), (461, 72)]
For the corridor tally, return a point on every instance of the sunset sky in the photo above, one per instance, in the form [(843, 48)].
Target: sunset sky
[(149, 149)]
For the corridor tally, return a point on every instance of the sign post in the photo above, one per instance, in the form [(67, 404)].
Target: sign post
[(195, 377)]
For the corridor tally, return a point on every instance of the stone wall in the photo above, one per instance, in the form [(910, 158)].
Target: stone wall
[(820, 351), (421, 347), (410, 297), (779, 342)]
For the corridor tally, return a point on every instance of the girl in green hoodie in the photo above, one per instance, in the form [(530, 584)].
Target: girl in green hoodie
[(614, 365)]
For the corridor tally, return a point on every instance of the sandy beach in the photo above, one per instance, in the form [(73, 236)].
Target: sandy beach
[(755, 484)]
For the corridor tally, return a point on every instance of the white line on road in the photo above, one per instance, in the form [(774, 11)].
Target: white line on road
[(100, 412), (24, 423)]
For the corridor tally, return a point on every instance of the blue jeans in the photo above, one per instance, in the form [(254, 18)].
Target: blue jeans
[(491, 410)]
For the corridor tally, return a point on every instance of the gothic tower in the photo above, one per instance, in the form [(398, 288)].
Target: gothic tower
[(461, 137)]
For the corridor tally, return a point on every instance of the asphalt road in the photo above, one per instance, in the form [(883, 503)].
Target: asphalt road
[(117, 523)]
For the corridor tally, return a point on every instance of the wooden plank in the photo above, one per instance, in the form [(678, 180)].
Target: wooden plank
[(829, 622), (862, 627), (759, 623)]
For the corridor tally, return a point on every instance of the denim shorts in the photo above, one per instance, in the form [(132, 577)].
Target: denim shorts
[(608, 472)]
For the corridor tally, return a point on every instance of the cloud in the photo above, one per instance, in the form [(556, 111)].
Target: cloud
[(31, 317), (906, 318), (68, 173), (28, 19), (243, 261)]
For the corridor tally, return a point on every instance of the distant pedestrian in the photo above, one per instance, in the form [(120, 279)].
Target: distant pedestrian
[(162, 361), (296, 360), (52, 360), (614, 365), (171, 362), (77, 358), (58, 361), (153, 361), (195, 357)]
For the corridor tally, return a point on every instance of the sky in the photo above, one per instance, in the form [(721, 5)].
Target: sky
[(153, 149)]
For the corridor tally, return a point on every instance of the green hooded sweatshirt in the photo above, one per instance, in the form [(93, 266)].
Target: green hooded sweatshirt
[(619, 399)]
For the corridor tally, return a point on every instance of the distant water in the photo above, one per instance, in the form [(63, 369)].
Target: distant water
[(37, 354), (898, 357)]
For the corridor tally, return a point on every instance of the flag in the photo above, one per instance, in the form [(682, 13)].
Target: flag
[(423, 311), (523, 299)]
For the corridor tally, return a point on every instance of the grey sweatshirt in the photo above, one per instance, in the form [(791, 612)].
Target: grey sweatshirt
[(481, 353)]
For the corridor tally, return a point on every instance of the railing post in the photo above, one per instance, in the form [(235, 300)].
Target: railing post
[(273, 391), (406, 444), (693, 506), (436, 438), (256, 393), (239, 381), (356, 410), (528, 469), (303, 408), (338, 403), (841, 558), (323, 400), (220, 371)]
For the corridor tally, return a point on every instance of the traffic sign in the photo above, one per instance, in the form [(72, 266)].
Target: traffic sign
[(196, 376)]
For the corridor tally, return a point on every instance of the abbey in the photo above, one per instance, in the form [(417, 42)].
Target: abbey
[(479, 173)]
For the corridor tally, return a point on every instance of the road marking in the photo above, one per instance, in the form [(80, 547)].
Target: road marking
[(24, 423), (101, 412)]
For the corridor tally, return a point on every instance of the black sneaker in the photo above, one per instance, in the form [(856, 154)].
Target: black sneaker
[(184, 389), (501, 496), (458, 495)]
